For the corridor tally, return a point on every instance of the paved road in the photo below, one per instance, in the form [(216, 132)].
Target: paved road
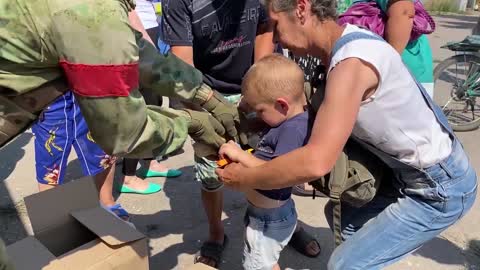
[(176, 225)]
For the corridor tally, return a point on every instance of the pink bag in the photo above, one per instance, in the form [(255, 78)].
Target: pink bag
[(369, 15)]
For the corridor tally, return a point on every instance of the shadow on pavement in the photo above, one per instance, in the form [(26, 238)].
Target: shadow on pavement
[(458, 24), (471, 19), (472, 254), (291, 259), (442, 251), (458, 21), (11, 226), (187, 218), (12, 153)]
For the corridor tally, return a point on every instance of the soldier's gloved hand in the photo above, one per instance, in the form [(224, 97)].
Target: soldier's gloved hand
[(225, 112), (205, 129)]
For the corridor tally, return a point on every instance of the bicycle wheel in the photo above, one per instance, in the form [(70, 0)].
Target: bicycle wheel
[(450, 78)]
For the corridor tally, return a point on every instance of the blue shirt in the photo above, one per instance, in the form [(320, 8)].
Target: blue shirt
[(277, 141)]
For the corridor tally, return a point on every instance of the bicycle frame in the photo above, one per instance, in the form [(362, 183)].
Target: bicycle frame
[(471, 85)]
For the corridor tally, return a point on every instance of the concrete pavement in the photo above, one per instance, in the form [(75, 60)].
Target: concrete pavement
[(175, 222)]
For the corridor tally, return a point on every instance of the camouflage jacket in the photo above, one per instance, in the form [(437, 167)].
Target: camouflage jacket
[(90, 45)]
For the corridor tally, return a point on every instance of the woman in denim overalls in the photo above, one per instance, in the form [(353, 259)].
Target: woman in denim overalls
[(371, 96)]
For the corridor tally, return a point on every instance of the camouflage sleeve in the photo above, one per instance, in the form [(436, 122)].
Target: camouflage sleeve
[(99, 55), (167, 75)]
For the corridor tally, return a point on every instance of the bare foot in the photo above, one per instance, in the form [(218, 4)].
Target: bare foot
[(135, 183)]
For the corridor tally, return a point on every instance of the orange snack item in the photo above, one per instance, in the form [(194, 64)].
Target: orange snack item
[(225, 161)]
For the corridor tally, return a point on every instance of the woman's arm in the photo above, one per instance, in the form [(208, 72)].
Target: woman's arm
[(333, 125), (399, 25), (264, 41)]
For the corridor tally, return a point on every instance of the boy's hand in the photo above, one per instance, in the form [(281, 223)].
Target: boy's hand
[(231, 151)]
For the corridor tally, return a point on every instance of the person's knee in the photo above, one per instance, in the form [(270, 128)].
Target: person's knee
[(205, 173)]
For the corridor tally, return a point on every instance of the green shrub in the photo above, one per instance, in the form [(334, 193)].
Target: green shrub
[(442, 5)]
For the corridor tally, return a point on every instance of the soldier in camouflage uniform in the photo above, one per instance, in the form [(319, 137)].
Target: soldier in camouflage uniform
[(91, 44), (47, 46)]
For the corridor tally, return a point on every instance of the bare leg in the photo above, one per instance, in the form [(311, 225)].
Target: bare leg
[(43, 187), (213, 205), (130, 179), (104, 182), (157, 166)]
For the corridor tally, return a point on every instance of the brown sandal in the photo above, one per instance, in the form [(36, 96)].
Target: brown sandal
[(212, 251), (300, 240)]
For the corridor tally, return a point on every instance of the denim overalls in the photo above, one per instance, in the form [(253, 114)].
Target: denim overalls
[(432, 199)]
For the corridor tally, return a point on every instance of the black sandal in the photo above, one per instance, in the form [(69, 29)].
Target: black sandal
[(212, 251), (300, 240)]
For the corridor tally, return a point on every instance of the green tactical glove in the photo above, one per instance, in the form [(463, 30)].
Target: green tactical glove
[(225, 112), (205, 129)]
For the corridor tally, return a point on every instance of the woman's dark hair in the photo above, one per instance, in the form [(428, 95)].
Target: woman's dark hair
[(323, 9)]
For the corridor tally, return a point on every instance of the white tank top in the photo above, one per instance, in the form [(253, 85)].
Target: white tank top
[(396, 119)]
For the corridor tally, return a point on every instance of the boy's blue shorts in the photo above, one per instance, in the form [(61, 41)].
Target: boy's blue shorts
[(60, 127)]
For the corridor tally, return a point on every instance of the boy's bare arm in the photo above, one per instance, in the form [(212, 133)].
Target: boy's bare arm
[(248, 160)]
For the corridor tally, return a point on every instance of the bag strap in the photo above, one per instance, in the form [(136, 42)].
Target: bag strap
[(337, 221), (341, 170), (345, 174), (436, 110), (344, 40), (339, 176)]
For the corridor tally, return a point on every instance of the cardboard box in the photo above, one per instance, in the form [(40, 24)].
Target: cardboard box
[(72, 231)]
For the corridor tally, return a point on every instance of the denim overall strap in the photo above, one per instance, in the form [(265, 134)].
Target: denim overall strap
[(441, 118), (411, 177)]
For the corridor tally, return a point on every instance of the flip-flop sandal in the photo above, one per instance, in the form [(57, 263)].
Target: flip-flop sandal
[(300, 240), (212, 251), (299, 190), (119, 212)]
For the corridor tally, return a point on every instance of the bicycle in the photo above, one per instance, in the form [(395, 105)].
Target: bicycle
[(460, 74)]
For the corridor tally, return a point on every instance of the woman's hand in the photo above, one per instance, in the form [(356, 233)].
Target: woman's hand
[(231, 174)]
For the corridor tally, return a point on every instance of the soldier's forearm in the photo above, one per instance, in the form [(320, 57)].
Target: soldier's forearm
[(167, 75), (125, 126)]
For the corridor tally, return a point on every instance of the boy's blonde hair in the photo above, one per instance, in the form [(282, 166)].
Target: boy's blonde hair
[(274, 76)]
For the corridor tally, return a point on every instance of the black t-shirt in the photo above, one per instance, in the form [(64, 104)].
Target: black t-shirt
[(222, 34)]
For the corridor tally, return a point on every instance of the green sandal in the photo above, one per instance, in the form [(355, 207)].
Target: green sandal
[(151, 173), (152, 188)]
